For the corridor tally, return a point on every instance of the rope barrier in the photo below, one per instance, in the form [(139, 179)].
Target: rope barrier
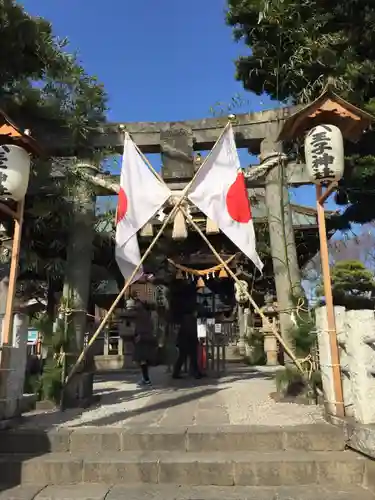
[(201, 272)]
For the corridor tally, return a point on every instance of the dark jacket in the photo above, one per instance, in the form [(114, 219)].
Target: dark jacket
[(145, 342), (187, 337)]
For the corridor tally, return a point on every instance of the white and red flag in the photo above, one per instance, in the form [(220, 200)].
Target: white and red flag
[(219, 191), (141, 195)]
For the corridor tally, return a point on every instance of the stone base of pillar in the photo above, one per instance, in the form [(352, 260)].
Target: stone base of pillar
[(250, 353), (10, 392), (79, 392), (271, 350), (241, 346)]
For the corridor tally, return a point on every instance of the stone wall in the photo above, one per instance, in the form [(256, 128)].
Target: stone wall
[(356, 339)]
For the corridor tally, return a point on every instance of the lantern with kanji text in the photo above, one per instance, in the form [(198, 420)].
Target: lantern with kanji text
[(14, 172), (324, 154)]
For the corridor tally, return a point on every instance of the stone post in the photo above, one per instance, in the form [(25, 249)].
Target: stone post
[(20, 331), (360, 328), (341, 329), (270, 342), (4, 284), (249, 332), (106, 342), (281, 233), (325, 359), (242, 330), (13, 367)]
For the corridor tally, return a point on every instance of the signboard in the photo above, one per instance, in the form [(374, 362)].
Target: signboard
[(202, 331), (32, 336)]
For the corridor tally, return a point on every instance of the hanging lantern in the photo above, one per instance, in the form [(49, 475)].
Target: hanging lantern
[(15, 172), (324, 154), (223, 273), (200, 283)]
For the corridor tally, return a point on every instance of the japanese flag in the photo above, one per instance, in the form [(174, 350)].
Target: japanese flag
[(141, 196), (219, 191)]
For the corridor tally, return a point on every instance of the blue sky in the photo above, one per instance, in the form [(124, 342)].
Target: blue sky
[(159, 60)]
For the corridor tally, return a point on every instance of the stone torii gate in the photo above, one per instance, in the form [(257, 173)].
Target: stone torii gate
[(177, 142)]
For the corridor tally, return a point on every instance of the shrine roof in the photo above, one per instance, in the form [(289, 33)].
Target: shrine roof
[(329, 107), (10, 131), (302, 216)]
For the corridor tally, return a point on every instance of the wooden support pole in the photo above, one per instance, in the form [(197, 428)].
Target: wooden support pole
[(327, 193), (7, 327), (331, 323), (235, 278), (169, 217)]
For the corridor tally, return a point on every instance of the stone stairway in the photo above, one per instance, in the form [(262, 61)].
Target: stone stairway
[(233, 462)]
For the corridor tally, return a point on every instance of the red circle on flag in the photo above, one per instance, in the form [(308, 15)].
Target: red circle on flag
[(122, 205), (238, 204)]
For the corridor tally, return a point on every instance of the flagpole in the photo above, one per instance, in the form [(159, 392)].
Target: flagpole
[(122, 292), (216, 254), (212, 248), (231, 273), (144, 256)]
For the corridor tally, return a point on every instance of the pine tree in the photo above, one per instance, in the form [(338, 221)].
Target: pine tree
[(296, 47), (353, 285)]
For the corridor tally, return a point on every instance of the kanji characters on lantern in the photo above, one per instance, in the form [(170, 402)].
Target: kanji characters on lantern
[(324, 153)]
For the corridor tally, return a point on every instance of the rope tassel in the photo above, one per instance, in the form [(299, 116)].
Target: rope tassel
[(147, 230), (200, 282), (211, 227), (179, 227)]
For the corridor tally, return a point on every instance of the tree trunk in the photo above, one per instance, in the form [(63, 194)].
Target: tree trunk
[(51, 301), (79, 258)]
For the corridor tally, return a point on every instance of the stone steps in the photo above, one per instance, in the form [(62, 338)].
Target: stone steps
[(311, 457), (176, 492), (285, 468), (318, 437)]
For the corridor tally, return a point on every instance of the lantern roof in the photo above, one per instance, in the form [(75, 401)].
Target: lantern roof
[(328, 108), (10, 132)]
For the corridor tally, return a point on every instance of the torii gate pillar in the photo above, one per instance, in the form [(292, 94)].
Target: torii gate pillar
[(281, 233)]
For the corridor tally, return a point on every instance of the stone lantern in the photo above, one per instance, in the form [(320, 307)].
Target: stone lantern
[(269, 323)]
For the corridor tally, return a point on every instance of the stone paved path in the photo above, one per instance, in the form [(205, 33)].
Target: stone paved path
[(242, 396)]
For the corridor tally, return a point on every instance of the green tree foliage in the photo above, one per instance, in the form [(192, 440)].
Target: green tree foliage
[(41, 82), (296, 47), (353, 285), (45, 88)]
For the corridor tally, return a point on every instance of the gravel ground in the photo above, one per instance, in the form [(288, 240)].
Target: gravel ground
[(249, 402), (241, 397)]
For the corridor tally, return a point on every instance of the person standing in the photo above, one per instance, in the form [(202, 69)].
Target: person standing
[(187, 343), (145, 344)]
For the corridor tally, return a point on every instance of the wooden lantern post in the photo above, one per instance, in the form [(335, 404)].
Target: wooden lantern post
[(10, 134), (328, 109)]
